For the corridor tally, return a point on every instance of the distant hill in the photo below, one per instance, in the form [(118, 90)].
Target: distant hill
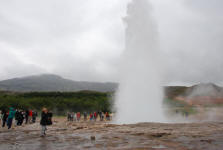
[(201, 94), (49, 82), (52, 83), (203, 89)]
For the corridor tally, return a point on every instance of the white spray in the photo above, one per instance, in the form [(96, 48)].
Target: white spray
[(139, 98)]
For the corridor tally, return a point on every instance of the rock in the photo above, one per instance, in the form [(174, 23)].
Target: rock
[(159, 135), (78, 128), (207, 140), (93, 138)]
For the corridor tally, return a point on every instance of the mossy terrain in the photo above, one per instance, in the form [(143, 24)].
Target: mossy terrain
[(180, 107), (59, 102)]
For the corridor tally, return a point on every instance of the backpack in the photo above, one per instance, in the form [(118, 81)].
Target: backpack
[(49, 118)]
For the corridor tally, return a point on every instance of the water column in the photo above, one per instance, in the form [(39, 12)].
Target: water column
[(139, 98)]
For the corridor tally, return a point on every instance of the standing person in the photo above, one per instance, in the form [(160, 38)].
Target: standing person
[(102, 116), (27, 116), (16, 117), (107, 116), (43, 121), (85, 116), (95, 116), (23, 116), (91, 116), (68, 116), (30, 116), (78, 116), (4, 117), (20, 118), (34, 115), (1, 117), (75, 116), (46, 119), (72, 116), (50, 116), (10, 117)]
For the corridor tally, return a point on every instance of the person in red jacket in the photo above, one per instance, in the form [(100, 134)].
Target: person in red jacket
[(78, 116), (30, 115), (95, 116), (107, 116), (91, 116)]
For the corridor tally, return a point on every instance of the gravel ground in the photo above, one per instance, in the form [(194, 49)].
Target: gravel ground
[(64, 135)]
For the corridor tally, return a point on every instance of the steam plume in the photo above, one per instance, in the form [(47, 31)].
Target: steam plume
[(139, 98)]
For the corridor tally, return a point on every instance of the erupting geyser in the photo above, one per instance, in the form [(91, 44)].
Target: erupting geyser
[(139, 98)]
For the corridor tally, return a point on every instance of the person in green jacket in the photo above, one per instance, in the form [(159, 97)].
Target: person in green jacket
[(10, 117)]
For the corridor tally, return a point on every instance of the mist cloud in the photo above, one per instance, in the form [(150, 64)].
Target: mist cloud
[(83, 40)]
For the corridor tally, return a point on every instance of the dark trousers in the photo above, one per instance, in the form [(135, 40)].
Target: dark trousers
[(19, 122), (3, 122), (33, 119), (9, 123), (27, 119)]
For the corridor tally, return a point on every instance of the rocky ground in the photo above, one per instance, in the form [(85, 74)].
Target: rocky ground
[(103, 135)]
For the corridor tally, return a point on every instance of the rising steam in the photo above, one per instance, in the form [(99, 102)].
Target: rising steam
[(139, 98)]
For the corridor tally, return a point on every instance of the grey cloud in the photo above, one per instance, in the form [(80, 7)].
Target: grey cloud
[(213, 7), (191, 41), (83, 40), (12, 65), (76, 39)]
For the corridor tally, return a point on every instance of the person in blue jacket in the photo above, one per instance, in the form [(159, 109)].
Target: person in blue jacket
[(10, 117)]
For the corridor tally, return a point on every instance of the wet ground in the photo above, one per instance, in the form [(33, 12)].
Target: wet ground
[(102, 136)]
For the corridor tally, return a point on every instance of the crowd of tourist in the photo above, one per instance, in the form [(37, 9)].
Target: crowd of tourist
[(19, 117), (72, 116)]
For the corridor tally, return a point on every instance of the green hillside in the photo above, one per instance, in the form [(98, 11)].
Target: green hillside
[(58, 102)]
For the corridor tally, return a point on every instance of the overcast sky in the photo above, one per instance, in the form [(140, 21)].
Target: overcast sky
[(84, 40)]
